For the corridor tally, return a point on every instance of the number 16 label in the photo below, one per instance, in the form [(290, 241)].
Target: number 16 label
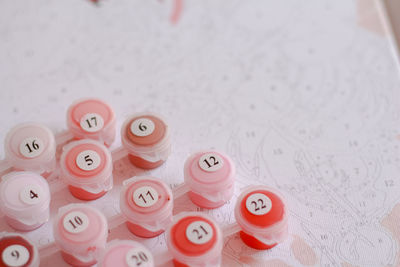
[(31, 147), (31, 194), (258, 204), (211, 162), (15, 255)]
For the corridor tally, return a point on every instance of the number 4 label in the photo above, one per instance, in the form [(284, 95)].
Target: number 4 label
[(31, 194)]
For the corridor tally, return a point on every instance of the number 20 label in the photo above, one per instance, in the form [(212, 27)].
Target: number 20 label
[(199, 232), (31, 147), (88, 160), (76, 222), (258, 204), (138, 257), (211, 162), (15, 255)]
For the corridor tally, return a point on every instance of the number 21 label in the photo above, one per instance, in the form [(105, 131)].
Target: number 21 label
[(199, 232), (211, 162), (258, 204), (92, 122), (15, 255), (145, 196), (88, 160)]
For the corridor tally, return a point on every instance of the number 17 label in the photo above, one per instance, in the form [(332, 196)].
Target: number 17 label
[(92, 122)]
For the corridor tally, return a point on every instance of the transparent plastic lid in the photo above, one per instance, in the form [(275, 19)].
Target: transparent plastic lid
[(92, 118), (25, 196), (31, 147)]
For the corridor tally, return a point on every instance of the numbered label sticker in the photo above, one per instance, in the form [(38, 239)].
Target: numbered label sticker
[(76, 222), (142, 127), (15, 255), (31, 194), (199, 232), (210, 162), (138, 257), (145, 196), (92, 122), (258, 204), (31, 147), (88, 160)]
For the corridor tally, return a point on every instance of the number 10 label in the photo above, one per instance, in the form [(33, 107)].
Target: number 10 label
[(76, 222)]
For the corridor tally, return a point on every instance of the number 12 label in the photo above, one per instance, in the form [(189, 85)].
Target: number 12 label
[(15, 255), (92, 122), (211, 162), (199, 232), (258, 204), (145, 196)]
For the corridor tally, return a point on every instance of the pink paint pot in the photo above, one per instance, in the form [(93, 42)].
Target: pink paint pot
[(17, 250), (146, 138), (210, 176), (86, 166), (126, 253), (24, 200), (30, 147), (195, 239), (262, 215), (147, 204), (91, 118), (80, 231)]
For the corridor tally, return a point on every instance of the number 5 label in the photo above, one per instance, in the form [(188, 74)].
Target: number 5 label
[(88, 160), (258, 204), (31, 147), (211, 162), (15, 255)]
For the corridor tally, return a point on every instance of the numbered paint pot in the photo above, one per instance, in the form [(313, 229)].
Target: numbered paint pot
[(31, 147), (24, 200), (80, 231), (262, 214), (126, 253), (195, 239), (210, 176), (92, 119), (147, 204), (17, 250), (146, 138), (86, 166)]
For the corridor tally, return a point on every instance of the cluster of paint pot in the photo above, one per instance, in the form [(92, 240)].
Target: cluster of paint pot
[(146, 203)]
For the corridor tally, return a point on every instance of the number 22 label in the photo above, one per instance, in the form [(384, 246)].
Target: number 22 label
[(258, 204)]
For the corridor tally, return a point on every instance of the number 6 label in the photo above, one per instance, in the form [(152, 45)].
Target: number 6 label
[(210, 162), (88, 160), (92, 122), (199, 232), (15, 255), (31, 147), (76, 222), (258, 204), (142, 127)]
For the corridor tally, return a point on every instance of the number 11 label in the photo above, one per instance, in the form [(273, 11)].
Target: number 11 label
[(145, 196), (15, 255), (92, 122), (258, 204), (211, 162)]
